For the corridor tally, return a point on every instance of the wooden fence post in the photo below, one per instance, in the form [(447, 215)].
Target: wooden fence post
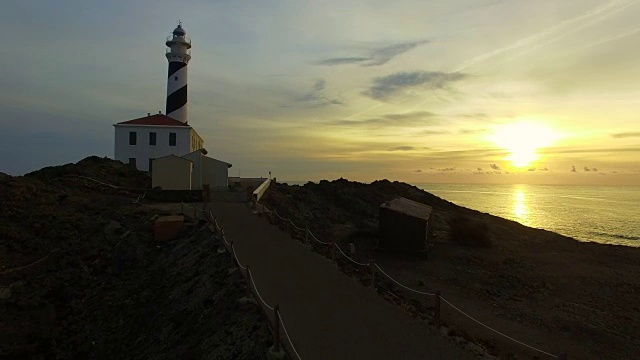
[(436, 307), (276, 328)]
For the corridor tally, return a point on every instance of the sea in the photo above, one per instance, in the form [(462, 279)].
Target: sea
[(604, 214)]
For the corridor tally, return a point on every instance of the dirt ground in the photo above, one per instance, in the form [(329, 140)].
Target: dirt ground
[(82, 278), (546, 290)]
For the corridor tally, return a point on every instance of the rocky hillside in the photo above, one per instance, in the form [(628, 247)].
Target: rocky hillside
[(562, 294), (81, 276)]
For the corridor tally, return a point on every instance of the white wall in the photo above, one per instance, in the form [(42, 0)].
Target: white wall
[(196, 158), (142, 151), (215, 173)]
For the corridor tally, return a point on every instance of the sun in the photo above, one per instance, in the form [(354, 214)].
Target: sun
[(522, 140)]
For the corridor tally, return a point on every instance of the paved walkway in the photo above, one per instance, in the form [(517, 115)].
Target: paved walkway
[(327, 314)]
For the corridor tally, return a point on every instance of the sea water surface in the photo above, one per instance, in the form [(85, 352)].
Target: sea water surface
[(605, 214)]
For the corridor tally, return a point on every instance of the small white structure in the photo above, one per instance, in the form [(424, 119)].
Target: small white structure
[(139, 141), (208, 171), (172, 173)]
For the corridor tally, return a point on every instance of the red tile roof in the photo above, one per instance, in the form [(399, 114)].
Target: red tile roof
[(157, 119)]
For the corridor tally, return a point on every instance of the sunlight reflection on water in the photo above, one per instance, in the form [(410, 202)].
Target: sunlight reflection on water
[(520, 210), (606, 214)]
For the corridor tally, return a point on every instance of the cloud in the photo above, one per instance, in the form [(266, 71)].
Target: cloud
[(342, 61), (479, 169), (472, 131), (573, 169), (418, 171), (402, 148), (544, 169), (375, 56), (625, 135), (532, 169), (448, 169), (316, 97), (386, 87), (495, 166), (550, 34), (417, 118), (586, 168)]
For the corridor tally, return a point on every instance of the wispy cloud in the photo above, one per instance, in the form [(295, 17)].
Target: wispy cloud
[(389, 86), (552, 34), (495, 166), (414, 119), (375, 56), (316, 96), (402, 148), (625, 135)]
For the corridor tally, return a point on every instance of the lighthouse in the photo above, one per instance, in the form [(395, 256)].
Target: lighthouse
[(178, 54)]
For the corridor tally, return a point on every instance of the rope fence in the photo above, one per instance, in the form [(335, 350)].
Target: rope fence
[(277, 322), (436, 295), (278, 318)]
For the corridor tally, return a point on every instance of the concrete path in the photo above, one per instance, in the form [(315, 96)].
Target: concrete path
[(327, 314)]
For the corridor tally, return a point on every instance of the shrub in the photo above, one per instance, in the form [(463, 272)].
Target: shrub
[(468, 232)]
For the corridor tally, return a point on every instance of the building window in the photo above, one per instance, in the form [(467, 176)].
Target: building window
[(150, 165), (152, 138), (132, 138), (172, 139), (132, 161)]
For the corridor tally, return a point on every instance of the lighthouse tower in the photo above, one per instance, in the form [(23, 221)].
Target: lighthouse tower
[(178, 54)]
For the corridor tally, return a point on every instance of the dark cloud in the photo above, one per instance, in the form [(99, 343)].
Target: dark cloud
[(544, 169), (573, 169), (418, 118), (586, 168), (495, 166), (448, 169), (402, 148), (386, 87), (532, 169), (342, 61), (418, 171), (316, 97), (479, 169), (319, 85), (626, 135), (376, 56)]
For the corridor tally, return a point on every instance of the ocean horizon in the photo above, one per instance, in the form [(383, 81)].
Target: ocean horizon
[(602, 214)]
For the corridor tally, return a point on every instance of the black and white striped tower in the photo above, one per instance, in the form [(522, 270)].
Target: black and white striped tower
[(178, 55)]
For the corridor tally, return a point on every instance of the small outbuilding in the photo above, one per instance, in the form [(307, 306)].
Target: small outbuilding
[(404, 225), (172, 173), (208, 171)]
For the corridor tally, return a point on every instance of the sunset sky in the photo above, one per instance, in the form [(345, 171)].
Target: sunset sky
[(419, 91)]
